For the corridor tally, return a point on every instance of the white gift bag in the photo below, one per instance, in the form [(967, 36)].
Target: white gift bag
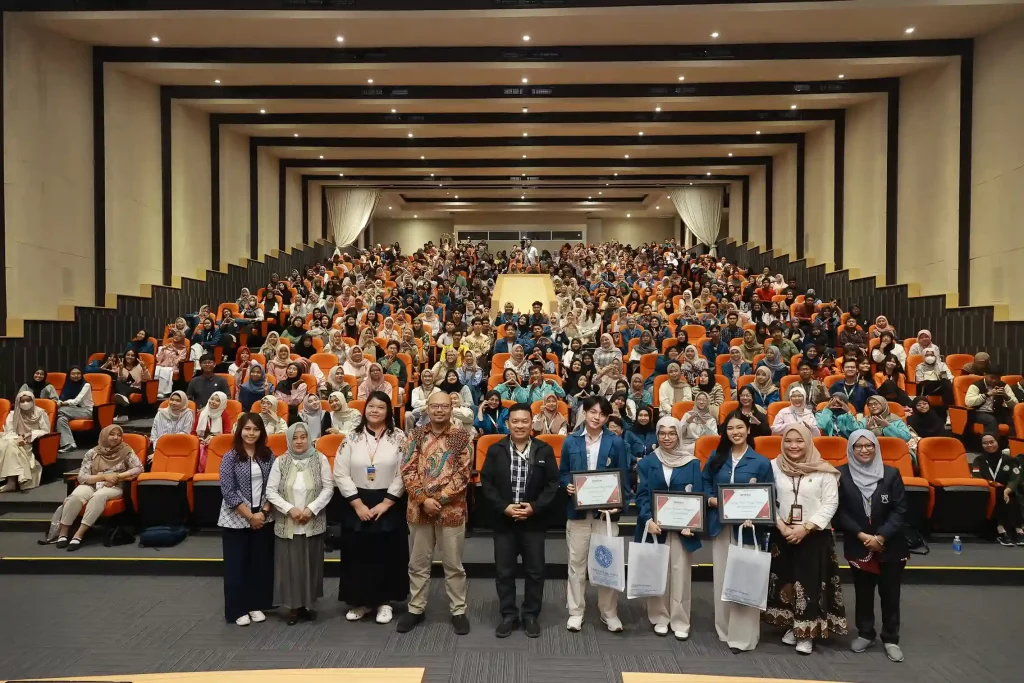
[(606, 565), (746, 576), (648, 568)]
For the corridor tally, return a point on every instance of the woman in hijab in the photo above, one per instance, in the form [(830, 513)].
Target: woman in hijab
[(638, 393), (244, 298), (300, 486), (104, 468), (765, 391), (240, 368), (254, 388), (691, 363), (773, 361), (881, 421), (924, 421), (871, 514), (805, 591), (923, 344), (337, 346), (881, 326), (273, 422), (750, 346), (643, 347), (39, 387), (304, 347), (374, 381), (313, 415), (277, 366), (451, 385), (341, 419), (431, 323), (549, 420), (934, 379), (669, 468), (417, 417), (292, 390), (702, 420), (706, 382), (796, 412), (608, 364), (491, 416), (351, 327), (368, 343), (356, 366), (472, 376), (518, 361), (212, 421), (175, 418), (839, 418), (19, 469), (270, 345), (673, 390), (73, 403), (335, 381)]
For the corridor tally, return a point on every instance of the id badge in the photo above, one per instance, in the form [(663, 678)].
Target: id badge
[(371, 473), (796, 514)]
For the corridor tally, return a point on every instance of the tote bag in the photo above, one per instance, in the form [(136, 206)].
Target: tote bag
[(746, 576), (648, 568), (606, 565)]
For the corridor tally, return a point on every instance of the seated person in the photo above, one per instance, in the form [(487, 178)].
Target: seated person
[(765, 391), (74, 403), (39, 387), (673, 390), (924, 421), (855, 389), (174, 418), (340, 419), (417, 416), (491, 416), (882, 422), (213, 421), (935, 379), (203, 385), (995, 466), (549, 420), (757, 417), (736, 367), (814, 391), (837, 419), (773, 361), (798, 410), (642, 439), (273, 422), (140, 343), (992, 401), (292, 391), (395, 366), (26, 422), (207, 335), (701, 420), (537, 388)]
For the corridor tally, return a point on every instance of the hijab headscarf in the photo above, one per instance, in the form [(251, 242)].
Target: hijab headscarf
[(169, 413), (71, 389), (677, 457), (763, 381), (27, 421), (773, 358), (357, 368), (795, 390), (702, 414), (302, 349), (370, 384), (749, 348), (344, 419), (270, 344), (885, 415), (106, 456), (312, 414), (450, 387), (643, 348), (811, 462), (211, 419), (256, 387), (925, 423), (551, 419), (271, 420), (310, 451), (36, 387), (865, 476)]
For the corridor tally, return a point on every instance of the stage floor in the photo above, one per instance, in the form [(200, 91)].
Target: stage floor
[(97, 625), (522, 291)]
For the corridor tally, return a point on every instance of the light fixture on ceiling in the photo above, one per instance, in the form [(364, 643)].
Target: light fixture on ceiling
[(422, 157), (370, 81), (657, 109), (525, 79), (522, 196), (155, 39), (526, 110), (263, 111), (757, 132), (295, 135), (410, 134), (456, 196), (524, 156), (730, 153), (341, 175), (709, 173), (526, 135), (431, 175), (339, 39), (526, 39), (616, 174), (714, 34), (590, 198), (394, 111), (627, 156), (842, 76), (629, 215), (908, 30), (389, 208), (415, 215), (682, 78), (657, 208), (599, 192), (216, 81), (792, 106), (691, 183), (641, 133), (321, 156)]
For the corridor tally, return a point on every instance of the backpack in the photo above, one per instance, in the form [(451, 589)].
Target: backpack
[(119, 535), (162, 536)]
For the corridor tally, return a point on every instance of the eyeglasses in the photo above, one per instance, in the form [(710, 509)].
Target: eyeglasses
[(864, 447)]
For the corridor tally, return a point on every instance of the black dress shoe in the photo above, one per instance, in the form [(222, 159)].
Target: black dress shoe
[(461, 624), (307, 614), (408, 621), (293, 617), (531, 627), (506, 627)]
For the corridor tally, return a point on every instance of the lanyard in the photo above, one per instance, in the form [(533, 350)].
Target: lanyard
[(376, 444), (796, 488), (994, 473), (848, 391)]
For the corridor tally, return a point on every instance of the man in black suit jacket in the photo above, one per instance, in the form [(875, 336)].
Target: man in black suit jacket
[(519, 481)]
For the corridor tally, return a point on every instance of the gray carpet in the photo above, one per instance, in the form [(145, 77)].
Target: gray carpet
[(91, 625)]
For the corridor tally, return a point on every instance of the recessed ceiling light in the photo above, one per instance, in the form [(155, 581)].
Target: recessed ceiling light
[(340, 39), (526, 39), (607, 184), (657, 109), (757, 132), (627, 156), (523, 196), (641, 132), (792, 106), (341, 175), (691, 183), (155, 39), (456, 196), (629, 215), (908, 30), (321, 156), (524, 156), (709, 172), (730, 153), (682, 78), (600, 192), (369, 80), (525, 135), (389, 208), (216, 81), (394, 111), (431, 175), (591, 197), (263, 111), (525, 79), (415, 215), (295, 135), (842, 76), (410, 134), (616, 174), (656, 208), (422, 157), (714, 34), (526, 110)]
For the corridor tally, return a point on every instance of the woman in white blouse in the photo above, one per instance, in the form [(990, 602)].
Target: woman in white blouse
[(374, 536), (796, 412), (804, 591)]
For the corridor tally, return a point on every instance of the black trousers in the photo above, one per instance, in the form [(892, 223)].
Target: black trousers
[(508, 545), (248, 570), (888, 583), (126, 390), (943, 388), (1008, 514), (991, 421)]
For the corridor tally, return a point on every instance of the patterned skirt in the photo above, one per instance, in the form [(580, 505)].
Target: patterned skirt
[(804, 590)]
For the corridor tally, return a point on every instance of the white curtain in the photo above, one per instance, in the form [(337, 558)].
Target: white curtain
[(349, 211), (700, 207)]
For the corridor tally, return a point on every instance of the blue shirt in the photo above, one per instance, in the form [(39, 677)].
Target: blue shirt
[(611, 455), (751, 468)]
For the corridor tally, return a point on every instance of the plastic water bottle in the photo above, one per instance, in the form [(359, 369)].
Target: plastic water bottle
[(958, 546)]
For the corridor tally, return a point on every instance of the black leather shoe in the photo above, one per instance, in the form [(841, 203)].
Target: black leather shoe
[(293, 617), (461, 624), (308, 614), (506, 627), (408, 621), (531, 627)]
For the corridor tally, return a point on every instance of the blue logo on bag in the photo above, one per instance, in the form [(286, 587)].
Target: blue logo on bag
[(603, 556)]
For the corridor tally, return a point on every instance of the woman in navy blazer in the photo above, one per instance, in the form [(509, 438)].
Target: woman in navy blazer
[(734, 462), (669, 468)]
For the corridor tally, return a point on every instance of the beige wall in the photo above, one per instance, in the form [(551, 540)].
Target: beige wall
[(293, 208), (997, 235), (315, 224), (234, 197), (784, 203), (48, 165), (634, 230), (757, 207), (411, 233), (819, 201), (929, 176), (133, 177), (268, 201), (190, 191), (864, 196), (736, 211)]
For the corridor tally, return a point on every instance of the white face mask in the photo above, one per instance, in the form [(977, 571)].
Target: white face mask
[(27, 405), (930, 360)]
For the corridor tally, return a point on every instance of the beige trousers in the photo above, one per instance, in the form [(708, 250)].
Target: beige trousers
[(577, 537), (423, 539), (673, 608), (94, 501), (737, 625)]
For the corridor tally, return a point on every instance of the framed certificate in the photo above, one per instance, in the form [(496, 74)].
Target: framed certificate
[(738, 503), (597, 489), (675, 511)]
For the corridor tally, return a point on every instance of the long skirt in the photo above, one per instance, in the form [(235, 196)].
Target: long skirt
[(804, 590), (18, 461), (298, 570), (374, 567)]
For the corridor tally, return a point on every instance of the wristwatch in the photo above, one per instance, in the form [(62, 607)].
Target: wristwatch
[(810, 526)]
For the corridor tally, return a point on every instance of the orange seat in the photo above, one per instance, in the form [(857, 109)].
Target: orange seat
[(773, 410), (832, 449), (743, 381), (1017, 442), (704, 447), (647, 363), (960, 415), (768, 446), (956, 362), (961, 502), (103, 409), (498, 362), (555, 441), (5, 410), (482, 444), (282, 409), (785, 383), (278, 443), (140, 445), (230, 379), (45, 447), (726, 409), (537, 406), (920, 495), (175, 461), (681, 408), (328, 444)]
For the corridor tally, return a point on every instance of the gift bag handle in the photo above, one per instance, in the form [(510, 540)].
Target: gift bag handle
[(643, 539), (608, 522)]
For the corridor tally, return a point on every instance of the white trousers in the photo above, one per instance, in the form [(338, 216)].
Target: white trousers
[(577, 537), (737, 625), (673, 608)]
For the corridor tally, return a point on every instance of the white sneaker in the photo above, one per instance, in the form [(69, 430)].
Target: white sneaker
[(804, 646), (120, 419), (258, 616), (384, 614), (661, 629), (357, 613), (574, 624), (789, 638), (681, 635), (613, 624), (243, 620)]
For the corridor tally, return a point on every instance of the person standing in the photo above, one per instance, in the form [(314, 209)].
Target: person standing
[(734, 462), (246, 524), (669, 468), (519, 480), (592, 447), (872, 508), (436, 472), (805, 593), (374, 535), (300, 487)]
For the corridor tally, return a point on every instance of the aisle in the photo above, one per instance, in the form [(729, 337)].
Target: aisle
[(522, 291)]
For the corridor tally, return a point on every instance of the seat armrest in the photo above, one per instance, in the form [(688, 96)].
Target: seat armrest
[(149, 391), (45, 449), (103, 415)]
